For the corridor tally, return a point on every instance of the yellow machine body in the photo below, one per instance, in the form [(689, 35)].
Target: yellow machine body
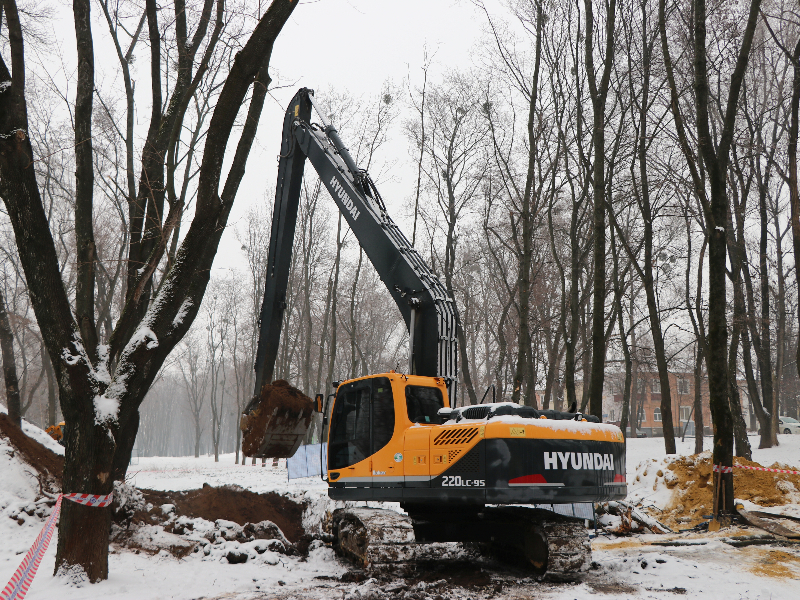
[(493, 453)]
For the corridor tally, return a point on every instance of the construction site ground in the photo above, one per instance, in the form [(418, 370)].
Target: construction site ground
[(193, 528)]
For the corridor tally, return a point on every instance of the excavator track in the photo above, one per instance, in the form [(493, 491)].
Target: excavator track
[(375, 539), (568, 547)]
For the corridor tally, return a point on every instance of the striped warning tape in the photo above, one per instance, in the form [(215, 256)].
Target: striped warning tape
[(90, 500), (768, 470), (721, 469), (23, 577)]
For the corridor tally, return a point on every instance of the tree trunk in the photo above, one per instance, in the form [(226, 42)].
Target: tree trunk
[(793, 186), (648, 279), (334, 317), (52, 397), (699, 426), (623, 337), (9, 366), (598, 95)]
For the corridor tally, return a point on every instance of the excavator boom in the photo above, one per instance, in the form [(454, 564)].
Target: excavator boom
[(428, 310)]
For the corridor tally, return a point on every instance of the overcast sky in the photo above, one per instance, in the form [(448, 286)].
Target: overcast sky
[(342, 45), (354, 45)]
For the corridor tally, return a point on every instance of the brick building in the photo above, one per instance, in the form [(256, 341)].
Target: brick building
[(647, 399)]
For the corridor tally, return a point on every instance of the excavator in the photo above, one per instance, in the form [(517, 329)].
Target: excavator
[(480, 474)]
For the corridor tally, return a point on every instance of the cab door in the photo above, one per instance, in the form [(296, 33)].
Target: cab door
[(349, 439), (387, 471)]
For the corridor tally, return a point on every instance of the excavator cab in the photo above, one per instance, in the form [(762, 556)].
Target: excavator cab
[(371, 422)]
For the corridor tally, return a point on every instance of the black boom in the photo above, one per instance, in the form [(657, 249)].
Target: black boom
[(428, 310)]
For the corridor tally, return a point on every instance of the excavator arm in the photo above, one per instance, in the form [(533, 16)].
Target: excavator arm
[(427, 308)]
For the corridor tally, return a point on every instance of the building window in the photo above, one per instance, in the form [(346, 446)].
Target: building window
[(683, 386), (657, 414), (640, 383), (686, 413), (611, 415), (656, 386)]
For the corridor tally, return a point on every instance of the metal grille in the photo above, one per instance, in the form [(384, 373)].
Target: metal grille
[(452, 455), (475, 412), (471, 463), (461, 435)]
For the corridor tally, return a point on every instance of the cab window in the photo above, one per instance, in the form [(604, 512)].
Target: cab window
[(362, 421), (423, 404)]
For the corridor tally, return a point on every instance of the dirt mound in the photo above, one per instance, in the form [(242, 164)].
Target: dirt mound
[(44, 460), (280, 410), (691, 477), (234, 504)]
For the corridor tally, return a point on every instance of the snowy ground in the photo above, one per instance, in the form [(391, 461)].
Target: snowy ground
[(629, 567)]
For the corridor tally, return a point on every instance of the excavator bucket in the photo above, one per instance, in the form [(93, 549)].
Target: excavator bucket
[(276, 421)]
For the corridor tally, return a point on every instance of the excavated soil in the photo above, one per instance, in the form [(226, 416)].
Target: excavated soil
[(234, 504), (456, 574), (279, 400), (691, 475), (777, 563), (42, 459)]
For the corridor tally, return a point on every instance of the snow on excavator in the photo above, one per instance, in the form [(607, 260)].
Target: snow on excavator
[(467, 474)]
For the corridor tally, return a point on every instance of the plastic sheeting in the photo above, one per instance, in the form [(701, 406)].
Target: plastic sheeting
[(306, 461), (581, 510)]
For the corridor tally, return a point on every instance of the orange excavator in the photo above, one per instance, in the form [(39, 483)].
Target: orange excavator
[(56, 432), (499, 474)]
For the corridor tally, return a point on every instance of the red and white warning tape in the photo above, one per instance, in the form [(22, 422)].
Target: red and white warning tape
[(768, 470), (721, 469), (21, 581), (90, 500)]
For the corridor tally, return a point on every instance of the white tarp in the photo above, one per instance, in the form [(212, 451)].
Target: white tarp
[(306, 461)]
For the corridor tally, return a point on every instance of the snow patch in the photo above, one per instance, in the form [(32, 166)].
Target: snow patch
[(143, 335), (182, 312), (4, 85), (101, 373), (105, 409)]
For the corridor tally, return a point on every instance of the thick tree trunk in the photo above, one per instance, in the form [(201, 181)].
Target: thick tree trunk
[(83, 530)]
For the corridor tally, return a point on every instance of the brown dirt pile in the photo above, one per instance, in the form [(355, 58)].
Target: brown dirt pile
[(777, 563), (279, 409), (42, 459), (691, 475), (234, 504)]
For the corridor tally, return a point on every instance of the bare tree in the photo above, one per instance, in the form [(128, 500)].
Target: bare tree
[(193, 371), (102, 386), (714, 152)]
